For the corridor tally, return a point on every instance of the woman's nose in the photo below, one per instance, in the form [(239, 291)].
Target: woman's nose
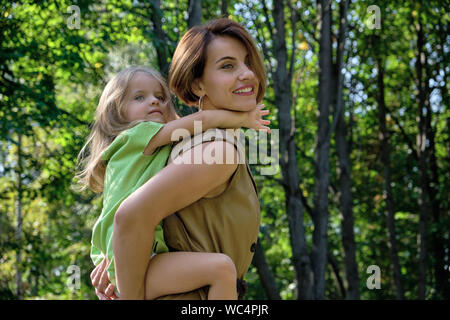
[(246, 73)]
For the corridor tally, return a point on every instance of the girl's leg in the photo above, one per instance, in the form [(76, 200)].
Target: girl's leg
[(138, 215), (177, 272), (131, 258)]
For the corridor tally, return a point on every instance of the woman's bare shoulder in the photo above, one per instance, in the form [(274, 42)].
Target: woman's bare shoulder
[(221, 156), (218, 153)]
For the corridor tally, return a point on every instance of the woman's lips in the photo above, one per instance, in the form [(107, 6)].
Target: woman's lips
[(245, 91)]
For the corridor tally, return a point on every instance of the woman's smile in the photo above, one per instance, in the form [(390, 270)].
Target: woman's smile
[(245, 90)]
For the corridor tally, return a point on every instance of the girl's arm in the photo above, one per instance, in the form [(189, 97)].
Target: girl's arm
[(209, 119), (174, 187)]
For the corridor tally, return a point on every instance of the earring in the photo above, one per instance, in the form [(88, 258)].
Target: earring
[(200, 103)]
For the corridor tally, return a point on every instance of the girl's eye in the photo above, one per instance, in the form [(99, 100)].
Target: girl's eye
[(139, 98), (161, 98), (227, 66)]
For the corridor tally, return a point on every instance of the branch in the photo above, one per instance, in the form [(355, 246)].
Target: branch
[(38, 98), (309, 210), (405, 136), (340, 54), (266, 15), (293, 34), (266, 276), (302, 197), (335, 268), (279, 181), (311, 34), (313, 163), (97, 75), (263, 44)]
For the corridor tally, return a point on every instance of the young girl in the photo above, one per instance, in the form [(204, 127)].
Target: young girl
[(129, 144)]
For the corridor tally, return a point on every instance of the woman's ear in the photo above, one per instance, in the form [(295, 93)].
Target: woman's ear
[(197, 88)]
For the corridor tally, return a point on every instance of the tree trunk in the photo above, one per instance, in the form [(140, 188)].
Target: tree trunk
[(423, 176), (224, 8), (441, 275), (288, 159), (385, 159), (335, 268), (160, 38), (320, 236), (346, 203), (19, 283), (343, 153), (195, 13), (266, 277), (443, 247)]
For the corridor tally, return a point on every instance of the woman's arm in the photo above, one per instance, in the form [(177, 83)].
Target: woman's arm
[(209, 119), (99, 279), (173, 188)]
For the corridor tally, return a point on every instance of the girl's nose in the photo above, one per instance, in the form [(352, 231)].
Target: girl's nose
[(154, 100)]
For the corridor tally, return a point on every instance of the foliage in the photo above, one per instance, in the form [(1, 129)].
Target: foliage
[(51, 77)]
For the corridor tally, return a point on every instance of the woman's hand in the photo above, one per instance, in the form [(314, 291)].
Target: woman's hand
[(254, 119), (99, 278)]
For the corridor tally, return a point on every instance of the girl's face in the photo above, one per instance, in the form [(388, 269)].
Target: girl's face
[(145, 100), (228, 81)]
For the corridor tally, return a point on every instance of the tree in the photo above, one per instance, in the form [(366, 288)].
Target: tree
[(195, 13), (386, 185), (385, 158), (343, 147)]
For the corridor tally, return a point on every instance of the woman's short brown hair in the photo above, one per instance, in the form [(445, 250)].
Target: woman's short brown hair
[(189, 59)]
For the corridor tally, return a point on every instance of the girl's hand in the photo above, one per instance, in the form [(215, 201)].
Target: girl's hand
[(99, 278), (254, 119)]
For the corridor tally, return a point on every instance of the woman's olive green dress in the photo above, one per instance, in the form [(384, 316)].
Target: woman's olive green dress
[(227, 223)]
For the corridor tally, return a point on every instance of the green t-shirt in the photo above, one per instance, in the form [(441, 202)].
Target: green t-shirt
[(127, 169)]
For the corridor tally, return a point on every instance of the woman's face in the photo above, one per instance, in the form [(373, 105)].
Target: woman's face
[(227, 81)]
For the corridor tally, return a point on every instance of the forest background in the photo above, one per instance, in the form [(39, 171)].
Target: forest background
[(359, 205)]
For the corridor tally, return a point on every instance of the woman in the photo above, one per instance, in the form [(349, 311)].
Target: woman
[(215, 66)]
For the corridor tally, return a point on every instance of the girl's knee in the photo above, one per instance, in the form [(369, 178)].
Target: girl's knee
[(124, 215), (127, 217)]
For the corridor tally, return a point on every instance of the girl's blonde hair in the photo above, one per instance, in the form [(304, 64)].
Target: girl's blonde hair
[(109, 122)]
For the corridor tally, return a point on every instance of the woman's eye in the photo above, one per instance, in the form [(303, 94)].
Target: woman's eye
[(227, 66)]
